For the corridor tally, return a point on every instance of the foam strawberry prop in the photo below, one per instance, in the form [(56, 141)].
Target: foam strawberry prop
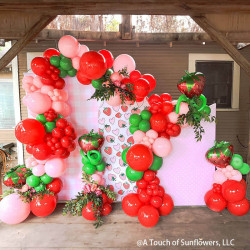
[(15, 176), (220, 154), (192, 84), (91, 141)]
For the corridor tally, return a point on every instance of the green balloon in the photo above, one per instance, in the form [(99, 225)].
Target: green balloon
[(89, 169), (85, 159), (72, 72), (134, 175), (144, 125), (133, 128), (108, 73), (207, 110), (237, 161), (135, 119), (40, 188), (46, 179), (245, 169), (97, 84), (66, 63), (146, 115), (101, 167), (49, 126), (63, 73), (157, 163), (55, 60), (62, 56), (41, 118), (124, 153), (33, 181), (58, 117)]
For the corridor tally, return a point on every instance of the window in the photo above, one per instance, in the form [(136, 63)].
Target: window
[(222, 79)]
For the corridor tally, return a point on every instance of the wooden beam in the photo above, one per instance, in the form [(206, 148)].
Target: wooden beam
[(126, 27), (126, 7), (22, 42), (224, 42)]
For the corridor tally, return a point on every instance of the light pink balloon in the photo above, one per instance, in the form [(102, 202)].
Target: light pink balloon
[(13, 209), (46, 89), (219, 177), (97, 178), (37, 102), (151, 134), (162, 147), (82, 49), (28, 161), (62, 108), (173, 117), (37, 82), (237, 176), (174, 102), (68, 46), (76, 62), (28, 79), (138, 136), (55, 167), (183, 108), (124, 61), (38, 170), (115, 100)]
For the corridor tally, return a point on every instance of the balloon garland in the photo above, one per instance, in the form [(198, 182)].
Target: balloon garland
[(50, 139)]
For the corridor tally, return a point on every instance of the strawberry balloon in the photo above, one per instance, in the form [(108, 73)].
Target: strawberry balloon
[(91, 141), (15, 176)]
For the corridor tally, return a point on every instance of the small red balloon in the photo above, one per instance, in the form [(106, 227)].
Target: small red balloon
[(167, 205), (141, 88), (238, 208), (167, 107), (62, 123), (58, 132), (88, 212), (131, 204), (59, 84), (104, 198), (158, 122), (165, 97), (50, 52), (66, 141), (141, 184), (156, 201), (154, 98), (215, 201), (148, 216), (82, 79), (139, 157), (144, 196), (29, 149), (149, 175), (43, 206), (233, 191), (55, 186), (108, 57), (151, 80), (106, 209), (134, 75), (41, 151), (40, 65)]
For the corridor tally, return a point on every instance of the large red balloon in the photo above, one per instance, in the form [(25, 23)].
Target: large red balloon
[(158, 122), (238, 208), (108, 57), (88, 213), (167, 205), (82, 79), (29, 131), (215, 201), (139, 157), (233, 191), (55, 186), (151, 80), (43, 206), (141, 88), (41, 151), (131, 204), (50, 52), (93, 65), (148, 216), (40, 65)]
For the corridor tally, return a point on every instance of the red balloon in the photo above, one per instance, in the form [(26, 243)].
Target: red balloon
[(149, 175), (148, 216), (151, 80), (58, 132), (55, 186), (233, 191), (106, 209), (167, 107), (131, 204), (156, 201), (144, 196), (167, 205), (139, 157), (43, 206), (215, 201), (108, 57), (141, 184), (59, 84), (29, 149), (104, 198), (161, 191), (82, 79), (158, 122), (50, 52), (134, 75), (141, 88), (29, 131), (139, 99), (88, 212), (40, 65), (66, 141), (238, 208), (93, 65), (154, 98), (165, 97), (41, 151), (243, 182), (47, 80)]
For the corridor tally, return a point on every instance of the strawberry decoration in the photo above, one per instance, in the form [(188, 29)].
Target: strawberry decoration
[(192, 84), (15, 176), (220, 154), (91, 141)]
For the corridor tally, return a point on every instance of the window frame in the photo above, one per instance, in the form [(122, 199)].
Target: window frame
[(235, 97)]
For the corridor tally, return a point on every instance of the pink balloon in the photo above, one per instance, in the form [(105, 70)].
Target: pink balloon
[(173, 117), (82, 49), (174, 102), (55, 167), (152, 134), (13, 209), (97, 178), (76, 62), (37, 82), (124, 61), (28, 161), (68, 46), (183, 108), (116, 77), (46, 89), (101, 173), (37, 102), (115, 100), (62, 108), (219, 177), (38, 170), (162, 147), (138, 136), (102, 182)]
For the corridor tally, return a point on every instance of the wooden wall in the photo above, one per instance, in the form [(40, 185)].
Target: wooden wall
[(168, 65)]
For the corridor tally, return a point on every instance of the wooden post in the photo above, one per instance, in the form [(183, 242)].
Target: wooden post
[(224, 42), (126, 27), (21, 43)]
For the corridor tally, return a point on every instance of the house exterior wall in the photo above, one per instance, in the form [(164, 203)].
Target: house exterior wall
[(167, 64)]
